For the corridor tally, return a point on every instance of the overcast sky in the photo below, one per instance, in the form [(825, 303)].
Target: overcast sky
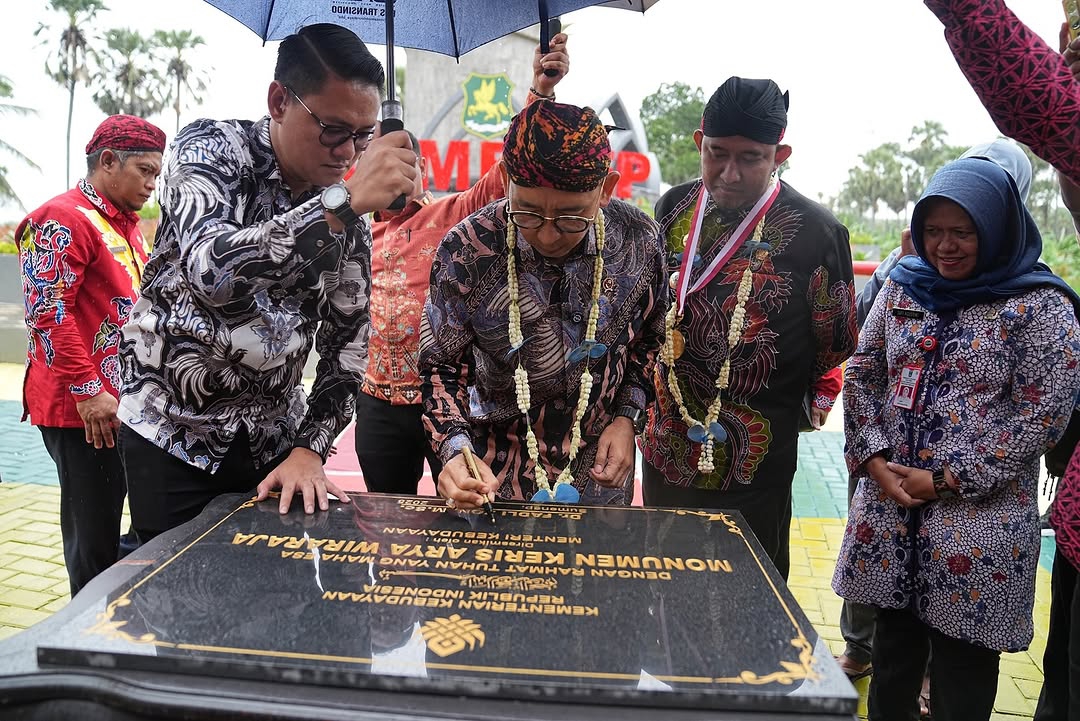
[(860, 72)]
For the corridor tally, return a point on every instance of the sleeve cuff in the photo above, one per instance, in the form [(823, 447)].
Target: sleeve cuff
[(632, 395), (315, 438), (87, 390), (452, 446), (868, 443)]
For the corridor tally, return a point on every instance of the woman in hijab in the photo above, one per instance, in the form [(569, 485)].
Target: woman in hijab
[(965, 373)]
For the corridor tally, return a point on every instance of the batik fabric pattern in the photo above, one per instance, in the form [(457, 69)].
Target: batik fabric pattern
[(244, 280), (467, 369), (994, 393), (81, 260), (403, 248), (1032, 97), (1022, 82), (800, 325)]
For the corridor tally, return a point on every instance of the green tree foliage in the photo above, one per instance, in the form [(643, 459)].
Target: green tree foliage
[(893, 176), (73, 55), (671, 115), (7, 192), (927, 152), (183, 82), (878, 181), (127, 81), (874, 183)]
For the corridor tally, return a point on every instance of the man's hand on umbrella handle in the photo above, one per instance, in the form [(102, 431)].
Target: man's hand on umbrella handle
[(386, 170), (557, 59)]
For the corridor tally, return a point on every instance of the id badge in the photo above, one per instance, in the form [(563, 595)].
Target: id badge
[(906, 387)]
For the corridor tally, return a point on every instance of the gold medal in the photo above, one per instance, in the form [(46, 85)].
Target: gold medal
[(678, 343)]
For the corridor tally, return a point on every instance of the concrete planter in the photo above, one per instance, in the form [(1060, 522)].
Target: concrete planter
[(10, 282), (12, 327)]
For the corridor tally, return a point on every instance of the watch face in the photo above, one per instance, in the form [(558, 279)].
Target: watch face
[(335, 196)]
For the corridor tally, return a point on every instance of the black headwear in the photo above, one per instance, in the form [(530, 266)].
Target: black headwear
[(754, 109)]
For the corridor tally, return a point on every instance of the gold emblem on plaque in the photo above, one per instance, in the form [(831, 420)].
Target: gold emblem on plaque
[(447, 636)]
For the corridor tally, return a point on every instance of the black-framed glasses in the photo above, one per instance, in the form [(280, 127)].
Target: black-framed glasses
[(334, 135), (528, 220), (565, 223)]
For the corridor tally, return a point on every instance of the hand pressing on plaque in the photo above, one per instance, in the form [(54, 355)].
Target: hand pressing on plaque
[(614, 454), (302, 472), (460, 489)]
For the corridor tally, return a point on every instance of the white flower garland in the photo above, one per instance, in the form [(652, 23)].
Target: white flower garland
[(521, 376), (735, 332)]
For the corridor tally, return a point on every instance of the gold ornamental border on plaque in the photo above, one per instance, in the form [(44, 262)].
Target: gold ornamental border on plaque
[(788, 673)]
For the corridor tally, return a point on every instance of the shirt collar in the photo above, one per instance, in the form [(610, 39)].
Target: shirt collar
[(102, 203), (262, 150)]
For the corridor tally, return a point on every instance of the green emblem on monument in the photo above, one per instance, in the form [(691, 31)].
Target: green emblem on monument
[(487, 107)]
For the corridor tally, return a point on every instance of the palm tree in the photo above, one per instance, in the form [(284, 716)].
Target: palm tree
[(73, 54), (183, 78), (6, 191), (127, 81)]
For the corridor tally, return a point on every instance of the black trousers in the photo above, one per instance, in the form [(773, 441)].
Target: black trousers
[(766, 510), (963, 676), (165, 492), (1060, 698), (391, 444), (91, 502)]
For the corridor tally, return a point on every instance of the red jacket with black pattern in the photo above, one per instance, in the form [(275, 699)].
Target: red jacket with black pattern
[(81, 260)]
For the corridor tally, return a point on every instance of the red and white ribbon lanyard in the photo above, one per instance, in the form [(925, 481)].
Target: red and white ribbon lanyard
[(730, 247)]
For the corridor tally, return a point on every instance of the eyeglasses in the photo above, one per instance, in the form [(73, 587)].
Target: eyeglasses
[(334, 135), (528, 220)]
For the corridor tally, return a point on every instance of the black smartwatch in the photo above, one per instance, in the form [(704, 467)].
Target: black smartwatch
[(941, 486), (335, 199), (636, 416)]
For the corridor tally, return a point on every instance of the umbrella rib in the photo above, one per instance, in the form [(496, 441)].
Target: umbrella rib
[(453, 29), (269, 14)]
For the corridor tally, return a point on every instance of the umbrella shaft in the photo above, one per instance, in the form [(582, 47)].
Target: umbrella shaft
[(391, 81)]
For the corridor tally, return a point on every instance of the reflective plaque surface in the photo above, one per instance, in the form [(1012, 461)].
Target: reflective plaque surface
[(601, 605)]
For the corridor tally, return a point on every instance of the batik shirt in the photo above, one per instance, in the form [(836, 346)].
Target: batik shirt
[(800, 324), (81, 259), (467, 369), (403, 247), (243, 281), (1024, 85), (993, 393), (1032, 97)]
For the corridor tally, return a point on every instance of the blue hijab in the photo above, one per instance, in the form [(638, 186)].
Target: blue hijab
[(1009, 241)]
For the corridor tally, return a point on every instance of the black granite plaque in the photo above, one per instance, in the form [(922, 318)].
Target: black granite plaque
[(577, 604)]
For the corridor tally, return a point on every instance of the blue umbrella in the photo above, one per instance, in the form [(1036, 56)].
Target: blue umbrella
[(448, 27)]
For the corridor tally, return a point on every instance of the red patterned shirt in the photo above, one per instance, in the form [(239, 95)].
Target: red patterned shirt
[(1022, 82), (403, 247), (82, 261)]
